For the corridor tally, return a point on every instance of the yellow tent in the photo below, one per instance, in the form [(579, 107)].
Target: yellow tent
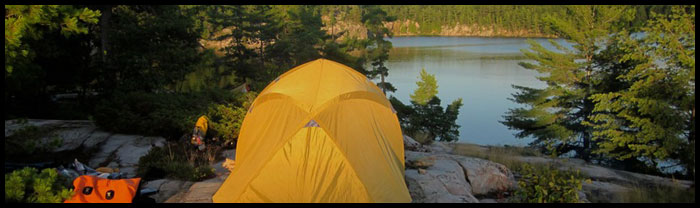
[(321, 132)]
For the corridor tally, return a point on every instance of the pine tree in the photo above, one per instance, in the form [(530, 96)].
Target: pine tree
[(24, 22), (152, 47), (556, 113), (301, 38), (265, 27), (425, 119), (373, 18), (653, 117), (427, 88)]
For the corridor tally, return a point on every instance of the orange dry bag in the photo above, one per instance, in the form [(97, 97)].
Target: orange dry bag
[(92, 189)]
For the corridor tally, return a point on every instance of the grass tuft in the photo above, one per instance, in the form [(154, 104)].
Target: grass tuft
[(658, 194)]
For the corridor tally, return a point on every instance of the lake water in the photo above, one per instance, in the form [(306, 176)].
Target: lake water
[(478, 70)]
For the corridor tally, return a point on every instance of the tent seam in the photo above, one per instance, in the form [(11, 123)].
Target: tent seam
[(336, 147), (369, 196)]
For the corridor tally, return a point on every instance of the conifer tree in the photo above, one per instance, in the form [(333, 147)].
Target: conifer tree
[(653, 116), (427, 88), (425, 117), (264, 27), (373, 18), (555, 113), (23, 22)]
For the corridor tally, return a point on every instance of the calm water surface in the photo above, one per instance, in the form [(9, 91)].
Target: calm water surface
[(478, 70)]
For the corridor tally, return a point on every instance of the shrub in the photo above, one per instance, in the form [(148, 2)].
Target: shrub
[(428, 122), (175, 161), (547, 184), (26, 186), (225, 120), (168, 114), (144, 113)]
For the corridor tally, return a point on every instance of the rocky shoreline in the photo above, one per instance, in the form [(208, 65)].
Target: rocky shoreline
[(433, 174), (399, 29)]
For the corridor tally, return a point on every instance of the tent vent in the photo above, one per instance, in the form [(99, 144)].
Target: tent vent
[(250, 109), (392, 109), (311, 123), (276, 79)]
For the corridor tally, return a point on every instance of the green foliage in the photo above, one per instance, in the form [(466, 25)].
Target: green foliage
[(504, 20), (548, 184), (427, 88), (23, 22), (449, 128), (45, 51), (226, 119), (207, 75), (555, 115), (164, 114), (175, 161), (652, 114), (159, 50), (147, 114), (150, 47), (429, 121), (301, 37), (373, 18), (28, 186)]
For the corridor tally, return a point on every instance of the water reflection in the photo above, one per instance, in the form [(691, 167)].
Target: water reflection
[(479, 70)]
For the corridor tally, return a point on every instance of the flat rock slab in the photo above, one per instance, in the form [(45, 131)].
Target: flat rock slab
[(604, 191), (425, 188), (443, 181), (96, 138), (166, 188), (440, 147), (451, 175), (198, 192), (13, 125), (130, 152), (74, 138), (203, 191), (125, 150), (172, 191)]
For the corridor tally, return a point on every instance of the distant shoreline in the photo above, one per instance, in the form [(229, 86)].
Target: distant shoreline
[(478, 36)]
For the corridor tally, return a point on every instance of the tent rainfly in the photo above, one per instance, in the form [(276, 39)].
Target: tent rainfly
[(321, 132)]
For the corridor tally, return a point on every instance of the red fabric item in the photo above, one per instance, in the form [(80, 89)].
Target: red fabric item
[(92, 189)]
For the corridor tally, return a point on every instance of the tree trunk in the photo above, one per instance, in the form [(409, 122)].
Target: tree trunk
[(104, 31), (383, 86), (262, 54), (587, 109)]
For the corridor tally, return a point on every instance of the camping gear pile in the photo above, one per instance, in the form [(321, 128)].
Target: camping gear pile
[(77, 169), (199, 131), (102, 185), (321, 132)]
